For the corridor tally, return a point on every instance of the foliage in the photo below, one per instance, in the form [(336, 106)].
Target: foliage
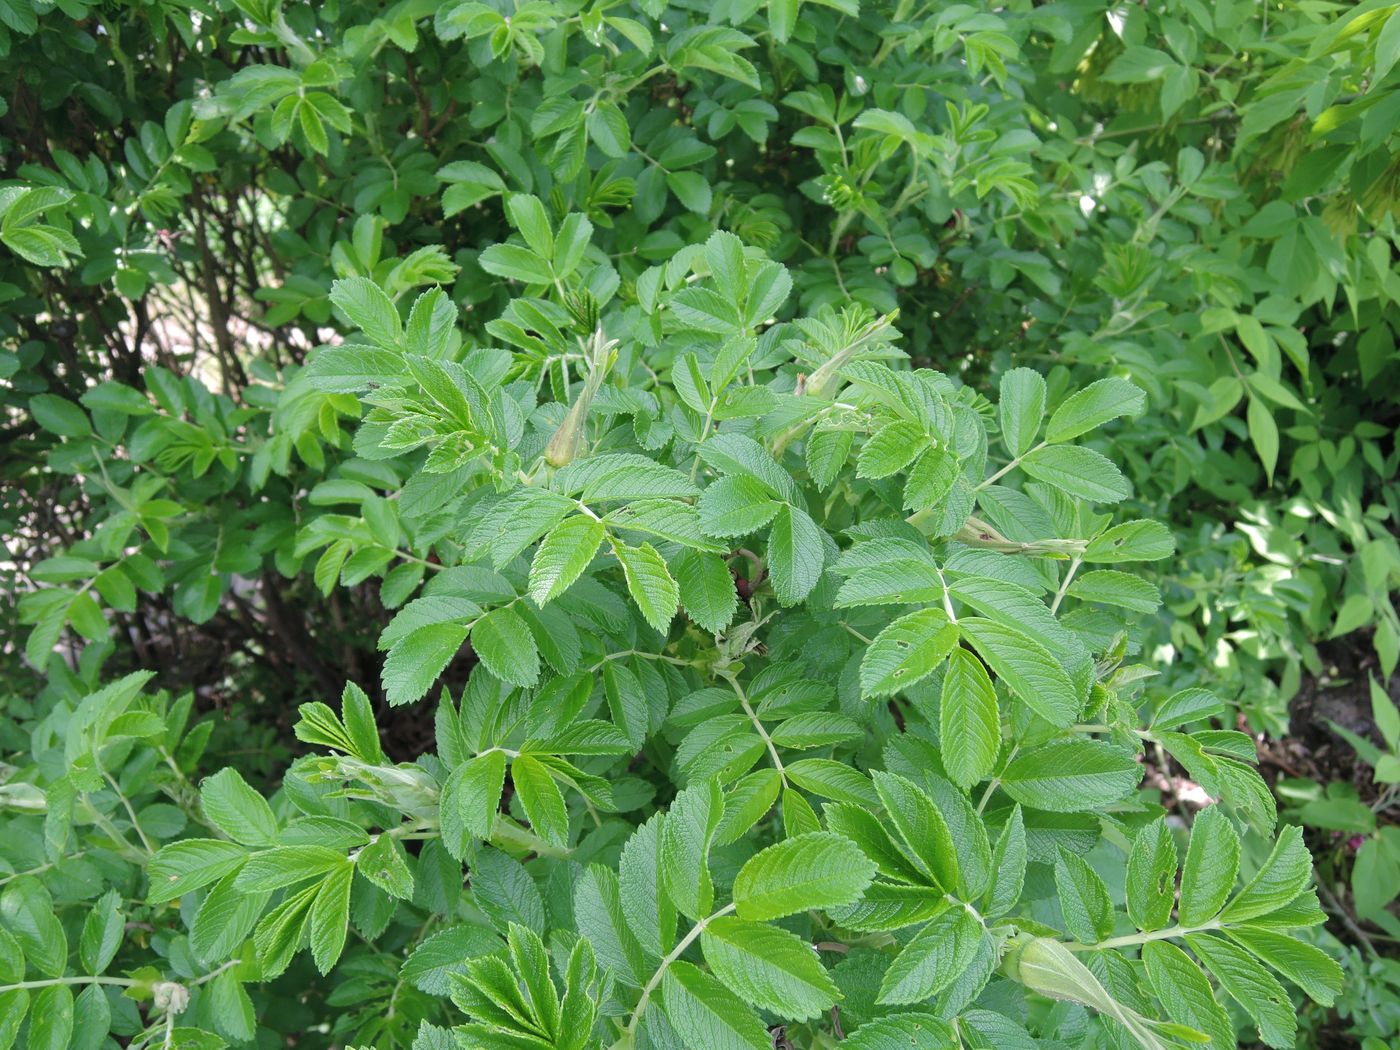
[(815, 457)]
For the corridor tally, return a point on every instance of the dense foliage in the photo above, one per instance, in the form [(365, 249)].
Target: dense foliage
[(695, 525)]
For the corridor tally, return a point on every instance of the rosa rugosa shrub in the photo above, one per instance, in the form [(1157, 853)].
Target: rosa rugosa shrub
[(664, 526), (803, 704)]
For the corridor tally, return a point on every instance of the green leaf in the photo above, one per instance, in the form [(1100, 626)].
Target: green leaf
[(685, 848), (815, 870), (649, 583), (51, 1019), (736, 506), (1021, 408), (507, 649), (369, 310), (706, 1014), (527, 214), (1008, 866), (796, 554), (768, 967), (1151, 877), (1263, 432), (1279, 879), (1208, 873), (1094, 406), (707, 589), (1250, 985), (921, 825), (933, 959), (102, 933), (470, 800), (384, 863), (1079, 472), (782, 18), (1131, 541), (1026, 666), (1084, 901), (691, 189), (1072, 775), (906, 652), (1186, 994), (516, 263), (541, 799), (1306, 965), (969, 721), (890, 449), (330, 917), (415, 662), (563, 555), (59, 416), (188, 865), (238, 811), (1109, 587), (904, 1031)]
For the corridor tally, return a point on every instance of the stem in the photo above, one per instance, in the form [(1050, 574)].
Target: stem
[(1128, 940), (130, 812), (758, 725), (674, 954), (1064, 585)]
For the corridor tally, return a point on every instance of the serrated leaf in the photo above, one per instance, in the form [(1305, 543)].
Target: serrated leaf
[(1084, 901), (707, 1014), (969, 720), (906, 652), (238, 811), (563, 555), (933, 959), (796, 554), (768, 967), (649, 583), (1079, 472), (921, 825), (102, 933), (470, 800), (415, 662), (330, 918), (1072, 775), (1021, 408), (707, 589), (1094, 406), (1026, 666), (507, 649), (369, 309), (815, 870), (1151, 877), (541, 799)]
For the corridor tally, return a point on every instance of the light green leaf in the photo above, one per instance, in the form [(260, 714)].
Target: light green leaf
[(563, 555), (469, 801), (796, 554), (1151, 877), (1021, 408), (933, 959), (815, 870), (707, 1015), (969, 721), (1078, 471), (1072, 775), (238, 811), (507, 649), (906, 652), (541, 799), (768, 967), (1027, 667), (649, 583), (1094, 406)]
